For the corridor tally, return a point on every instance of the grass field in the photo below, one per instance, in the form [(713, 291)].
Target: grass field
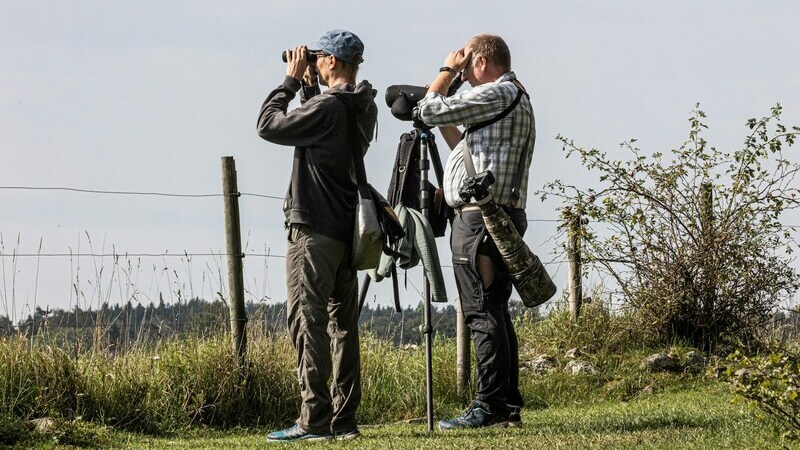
[(183, 394), (702, 418)]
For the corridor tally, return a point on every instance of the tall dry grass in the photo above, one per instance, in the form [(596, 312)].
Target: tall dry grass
[(176, 384)]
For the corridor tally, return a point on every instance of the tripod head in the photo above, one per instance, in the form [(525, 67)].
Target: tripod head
[(419, 125)]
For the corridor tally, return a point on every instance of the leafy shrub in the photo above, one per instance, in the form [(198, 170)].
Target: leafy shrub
[(772, 384), (79, 433), (693, 239), (12, 430)]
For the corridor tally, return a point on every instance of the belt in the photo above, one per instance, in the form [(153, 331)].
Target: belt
[(472, 207), (466, 208)]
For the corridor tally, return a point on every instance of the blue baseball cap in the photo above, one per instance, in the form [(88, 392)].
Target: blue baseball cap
[(342, 44)]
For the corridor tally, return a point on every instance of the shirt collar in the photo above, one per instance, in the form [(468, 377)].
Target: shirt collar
[(508, 76)]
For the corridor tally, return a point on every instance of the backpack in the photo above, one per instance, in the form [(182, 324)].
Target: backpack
[(404, 186)]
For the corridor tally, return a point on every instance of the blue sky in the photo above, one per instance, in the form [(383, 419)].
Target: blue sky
[(147, 96)]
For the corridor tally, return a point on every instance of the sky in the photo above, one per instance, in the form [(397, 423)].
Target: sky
[(148, 96)]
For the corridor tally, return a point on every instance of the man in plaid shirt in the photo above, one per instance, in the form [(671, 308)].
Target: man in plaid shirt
[(505, 147)]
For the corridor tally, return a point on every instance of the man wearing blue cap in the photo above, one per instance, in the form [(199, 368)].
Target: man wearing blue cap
[(328, 130)]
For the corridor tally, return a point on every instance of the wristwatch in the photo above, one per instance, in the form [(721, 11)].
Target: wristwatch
[(447, 69)]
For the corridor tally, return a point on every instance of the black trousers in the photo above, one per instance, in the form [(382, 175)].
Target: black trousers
[(486, 311)]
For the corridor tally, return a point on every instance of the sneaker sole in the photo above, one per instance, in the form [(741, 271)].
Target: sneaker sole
[(494, 425), (308, 439), (515, 424), (347, 437)]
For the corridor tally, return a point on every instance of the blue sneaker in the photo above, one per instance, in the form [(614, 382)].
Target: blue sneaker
[(476, 416), (296, 433), (347, 435)]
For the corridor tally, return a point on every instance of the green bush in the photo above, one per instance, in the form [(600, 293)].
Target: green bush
[(692, 238), (772, 384), (12, 430)]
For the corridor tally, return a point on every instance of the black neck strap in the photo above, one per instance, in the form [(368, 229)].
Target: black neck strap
[(470, 166), (500, 116)]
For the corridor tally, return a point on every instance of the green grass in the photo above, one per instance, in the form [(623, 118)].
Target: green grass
[(702, 418), (184, 394)]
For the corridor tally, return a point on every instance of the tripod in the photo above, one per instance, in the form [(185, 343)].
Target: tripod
[(425, 207), (402, 100), (425, 203)]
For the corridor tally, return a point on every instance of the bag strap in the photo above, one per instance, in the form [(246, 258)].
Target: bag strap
[(433, 152), (468, 164), (357, 155)]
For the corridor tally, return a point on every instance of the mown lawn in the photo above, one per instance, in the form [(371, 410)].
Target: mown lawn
[(704, 418)]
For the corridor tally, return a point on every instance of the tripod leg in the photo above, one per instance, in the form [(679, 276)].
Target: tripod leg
[(424, 201)]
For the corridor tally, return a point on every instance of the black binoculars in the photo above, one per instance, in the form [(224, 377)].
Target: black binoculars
[(311, 56)]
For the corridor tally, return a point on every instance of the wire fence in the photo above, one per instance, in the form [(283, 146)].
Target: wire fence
[(170, 255), (157, 323), (186, 254)]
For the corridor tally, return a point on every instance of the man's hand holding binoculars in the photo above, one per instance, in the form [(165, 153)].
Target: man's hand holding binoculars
[(297, 65)]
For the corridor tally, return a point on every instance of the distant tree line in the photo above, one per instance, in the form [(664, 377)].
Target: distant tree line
[(118, 326)]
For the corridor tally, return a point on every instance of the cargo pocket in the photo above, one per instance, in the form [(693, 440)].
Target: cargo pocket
[(464, 244)]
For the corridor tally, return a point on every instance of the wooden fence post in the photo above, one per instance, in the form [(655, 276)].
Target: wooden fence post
[(574, 255), (707, 206), (709, 286), (233, 234), (463, 353)]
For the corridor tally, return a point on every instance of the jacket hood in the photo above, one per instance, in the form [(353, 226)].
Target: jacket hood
[(361, 102), (359, 99)]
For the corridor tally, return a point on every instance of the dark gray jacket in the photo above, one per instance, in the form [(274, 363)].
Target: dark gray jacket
[(322, 191)]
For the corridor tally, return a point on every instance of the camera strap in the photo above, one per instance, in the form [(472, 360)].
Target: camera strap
[(469, 165), (503, 114)]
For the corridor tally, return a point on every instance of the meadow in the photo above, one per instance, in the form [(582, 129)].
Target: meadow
[(187, 393)]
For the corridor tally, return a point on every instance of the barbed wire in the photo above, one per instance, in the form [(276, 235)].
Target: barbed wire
[(215, 195), (133, 255), (274, 197), (97, 191), (142, 193), (189, 255)]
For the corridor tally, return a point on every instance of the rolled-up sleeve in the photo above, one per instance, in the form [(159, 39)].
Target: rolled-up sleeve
[(473, 106)]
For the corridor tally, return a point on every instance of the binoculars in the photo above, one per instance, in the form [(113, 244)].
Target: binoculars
[(311, 56)]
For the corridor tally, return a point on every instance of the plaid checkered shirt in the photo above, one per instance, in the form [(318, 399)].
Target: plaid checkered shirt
[(504, 147)]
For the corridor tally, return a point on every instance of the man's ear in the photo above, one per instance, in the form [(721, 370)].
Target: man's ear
[(482, 62)]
